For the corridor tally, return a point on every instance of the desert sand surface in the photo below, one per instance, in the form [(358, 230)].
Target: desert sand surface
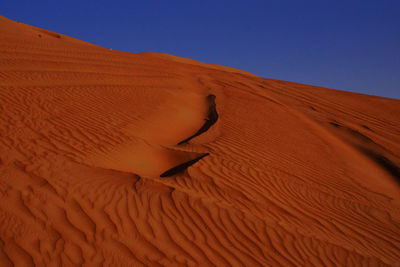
[(110, 158)]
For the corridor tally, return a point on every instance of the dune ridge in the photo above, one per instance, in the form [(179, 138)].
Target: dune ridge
[(110, 158)]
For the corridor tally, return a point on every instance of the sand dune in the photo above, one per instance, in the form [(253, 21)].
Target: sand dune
[(110, 158)]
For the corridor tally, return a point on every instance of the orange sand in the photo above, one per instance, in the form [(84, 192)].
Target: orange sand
[(294, 175)]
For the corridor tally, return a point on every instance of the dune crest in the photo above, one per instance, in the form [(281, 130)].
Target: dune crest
[(110, 158)]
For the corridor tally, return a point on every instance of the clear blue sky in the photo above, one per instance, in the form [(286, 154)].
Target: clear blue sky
[(347, 45)]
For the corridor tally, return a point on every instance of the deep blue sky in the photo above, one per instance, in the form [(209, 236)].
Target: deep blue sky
[(347, 45)]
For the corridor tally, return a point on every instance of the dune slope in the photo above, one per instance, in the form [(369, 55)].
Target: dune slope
[(118, 159)]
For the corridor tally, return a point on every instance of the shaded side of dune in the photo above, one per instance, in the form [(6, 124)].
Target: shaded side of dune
[(371, 149), (211, 119), (383, 162), (181, 167)]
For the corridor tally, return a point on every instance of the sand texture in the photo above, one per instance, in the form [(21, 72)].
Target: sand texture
[(110, 158)]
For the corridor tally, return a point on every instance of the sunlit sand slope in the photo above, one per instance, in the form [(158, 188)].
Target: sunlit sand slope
[(119, 159)]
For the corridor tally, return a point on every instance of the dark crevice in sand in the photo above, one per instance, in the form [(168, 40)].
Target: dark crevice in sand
[(182, 167), (366, 127), (335, 124), (211, 119)]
